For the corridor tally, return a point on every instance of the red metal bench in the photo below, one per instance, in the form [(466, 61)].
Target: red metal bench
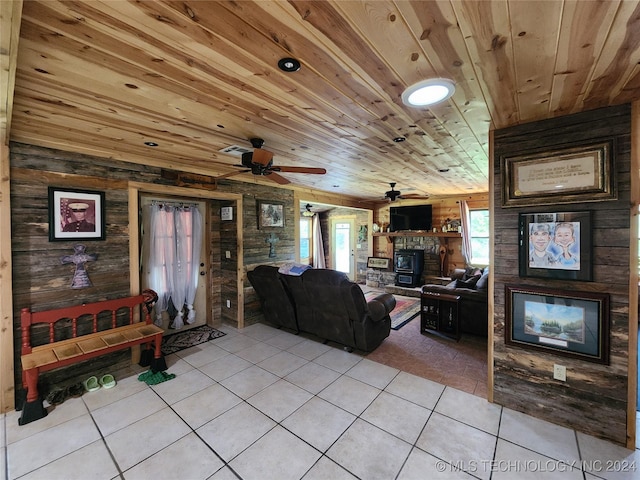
[(61, 353)]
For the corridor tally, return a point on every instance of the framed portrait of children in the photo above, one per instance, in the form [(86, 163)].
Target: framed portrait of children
[(76, 214), (556, 245)]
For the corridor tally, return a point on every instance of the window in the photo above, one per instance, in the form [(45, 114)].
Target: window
[(305, 240), (479, 236)]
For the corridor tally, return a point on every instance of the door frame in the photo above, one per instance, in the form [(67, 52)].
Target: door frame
[(202, 302), (351, 219), (137, 188)]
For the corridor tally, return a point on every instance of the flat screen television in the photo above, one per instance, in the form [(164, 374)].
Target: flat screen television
[(410, 217)]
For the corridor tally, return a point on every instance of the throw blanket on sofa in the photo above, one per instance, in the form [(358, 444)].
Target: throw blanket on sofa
[(296, 269)]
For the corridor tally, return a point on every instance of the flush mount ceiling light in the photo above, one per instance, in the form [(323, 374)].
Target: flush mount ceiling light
[(289, 64), (428, 92), (308, 212)]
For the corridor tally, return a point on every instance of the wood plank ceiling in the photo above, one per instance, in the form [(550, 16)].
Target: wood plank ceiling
[(197, 76)]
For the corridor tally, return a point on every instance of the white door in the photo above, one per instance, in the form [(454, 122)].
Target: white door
[(203, 313), (343, 246)]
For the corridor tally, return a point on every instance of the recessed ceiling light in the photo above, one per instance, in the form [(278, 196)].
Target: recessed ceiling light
[(443, 170), (399, 139), (289, 64), (151, 144), (428, 92)]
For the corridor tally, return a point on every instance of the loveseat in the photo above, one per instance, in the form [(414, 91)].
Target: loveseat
[(324, 303), (471, 284)]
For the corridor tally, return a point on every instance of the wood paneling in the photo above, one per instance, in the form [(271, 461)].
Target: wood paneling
[(443, 209), (40, 281), (102, 77), (594, 397)]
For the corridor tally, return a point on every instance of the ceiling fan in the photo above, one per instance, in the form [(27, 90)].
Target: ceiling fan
[(393, 194), (260, 162)]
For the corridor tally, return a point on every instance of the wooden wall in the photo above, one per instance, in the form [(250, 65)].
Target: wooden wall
[(40, 281), (594, 397), (443, 209)]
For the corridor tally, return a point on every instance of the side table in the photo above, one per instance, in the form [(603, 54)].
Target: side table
[(439, 313)]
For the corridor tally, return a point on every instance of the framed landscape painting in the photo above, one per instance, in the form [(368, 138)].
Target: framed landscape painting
[(569, 323)]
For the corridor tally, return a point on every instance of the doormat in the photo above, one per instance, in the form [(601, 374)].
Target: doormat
[(194, 336), (407, 308)]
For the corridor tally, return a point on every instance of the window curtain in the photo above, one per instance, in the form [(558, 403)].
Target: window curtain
[(465, 221), (175, 243), (318, 245)]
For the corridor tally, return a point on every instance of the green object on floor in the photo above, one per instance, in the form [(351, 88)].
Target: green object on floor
[(91, 384), (151, 378)]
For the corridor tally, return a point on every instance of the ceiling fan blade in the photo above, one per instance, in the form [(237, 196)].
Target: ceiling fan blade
[(319, 171), (231, 174), (261, 157), (415, 196), (277, 178)]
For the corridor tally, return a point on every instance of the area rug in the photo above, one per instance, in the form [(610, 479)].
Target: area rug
[(194, 336), (407, 308)]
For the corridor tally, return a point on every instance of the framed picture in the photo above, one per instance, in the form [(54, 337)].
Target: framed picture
[(270, 214), (565, 175), (555, 245), (378, 262), (570, 323), (76, 214), (226, 213)]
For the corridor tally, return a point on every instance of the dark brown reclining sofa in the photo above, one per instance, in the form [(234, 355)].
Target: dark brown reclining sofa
[(324, 303)]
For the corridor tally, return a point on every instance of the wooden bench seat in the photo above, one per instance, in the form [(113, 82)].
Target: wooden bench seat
[(61, 353)]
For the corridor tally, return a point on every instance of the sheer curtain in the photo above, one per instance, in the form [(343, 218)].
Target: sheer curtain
[(318, 245), (465, 221), (175, 243)]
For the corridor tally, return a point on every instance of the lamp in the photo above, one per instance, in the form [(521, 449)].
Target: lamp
[(428, 92), (307, 212)]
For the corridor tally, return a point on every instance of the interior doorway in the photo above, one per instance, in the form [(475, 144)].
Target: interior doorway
[(343, 258), (172, 318)]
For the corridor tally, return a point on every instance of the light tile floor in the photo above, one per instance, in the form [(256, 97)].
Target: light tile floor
[(267, 404)]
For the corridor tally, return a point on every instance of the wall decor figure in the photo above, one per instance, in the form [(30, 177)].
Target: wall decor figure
[(79, 258), (272, 240)]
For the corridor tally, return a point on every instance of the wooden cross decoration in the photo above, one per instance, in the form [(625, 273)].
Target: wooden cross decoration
[(79, 257), (272, 240)]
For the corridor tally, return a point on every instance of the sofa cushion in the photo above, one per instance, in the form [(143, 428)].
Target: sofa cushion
[(483, 281), (468, 283), (471, 272)]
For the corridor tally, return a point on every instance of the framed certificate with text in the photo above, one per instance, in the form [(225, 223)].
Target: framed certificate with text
[(566, 175)]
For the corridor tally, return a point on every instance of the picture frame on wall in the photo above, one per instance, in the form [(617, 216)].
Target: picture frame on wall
[(270, 214), (582, 173), (381, 263), (569, 323), (555, 245), (76, 214)]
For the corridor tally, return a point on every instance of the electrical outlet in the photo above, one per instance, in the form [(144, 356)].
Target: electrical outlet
[(228, 303), (560, 372), (227, 254)]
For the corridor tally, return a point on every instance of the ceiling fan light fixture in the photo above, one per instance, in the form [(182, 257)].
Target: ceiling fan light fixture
[(428, 92), (307, 212)]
